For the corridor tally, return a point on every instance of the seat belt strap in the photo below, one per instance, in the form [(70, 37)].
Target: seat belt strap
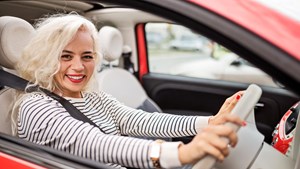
[(12, 81), (18, 83)]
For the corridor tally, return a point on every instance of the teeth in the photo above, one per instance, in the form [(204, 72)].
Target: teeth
[(76, 77)]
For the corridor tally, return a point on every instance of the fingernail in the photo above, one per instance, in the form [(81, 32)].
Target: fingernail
[(244, 123), (238, 97)]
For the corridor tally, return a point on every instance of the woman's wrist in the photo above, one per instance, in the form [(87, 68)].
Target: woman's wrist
[(211, 119), (182, 155)]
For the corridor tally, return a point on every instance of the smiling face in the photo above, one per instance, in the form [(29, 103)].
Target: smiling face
[(76, 65)]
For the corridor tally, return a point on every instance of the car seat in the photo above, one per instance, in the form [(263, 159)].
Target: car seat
[(14, 35), (118, 82)]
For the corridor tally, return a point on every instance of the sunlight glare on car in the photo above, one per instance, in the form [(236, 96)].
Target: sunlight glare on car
[(287, 7)]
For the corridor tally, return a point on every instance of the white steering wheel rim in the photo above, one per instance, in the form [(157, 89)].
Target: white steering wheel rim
[(242, 109)]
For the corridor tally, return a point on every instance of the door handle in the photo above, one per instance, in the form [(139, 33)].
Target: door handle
[(259, 105)]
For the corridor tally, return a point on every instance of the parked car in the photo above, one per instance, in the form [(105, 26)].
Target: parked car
[(187, 42), (154, 37), (230, 67), (266, 37)]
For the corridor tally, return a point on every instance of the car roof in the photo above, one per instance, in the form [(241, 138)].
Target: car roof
[(260, 19)]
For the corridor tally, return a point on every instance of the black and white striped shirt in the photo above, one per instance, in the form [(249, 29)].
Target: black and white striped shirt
[(45, 121)]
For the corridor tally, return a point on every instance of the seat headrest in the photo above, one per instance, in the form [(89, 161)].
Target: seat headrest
[(14, 35), (111, 43)]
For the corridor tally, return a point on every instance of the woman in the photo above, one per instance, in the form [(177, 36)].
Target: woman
[(62, 58)]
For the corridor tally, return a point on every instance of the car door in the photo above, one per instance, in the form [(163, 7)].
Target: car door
[(16, 153), (196, 81)]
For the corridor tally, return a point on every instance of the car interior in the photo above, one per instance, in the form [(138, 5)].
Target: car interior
[(119, 28), (131, 92)]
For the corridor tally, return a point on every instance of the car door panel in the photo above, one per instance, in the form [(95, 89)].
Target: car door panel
[(203, 97)]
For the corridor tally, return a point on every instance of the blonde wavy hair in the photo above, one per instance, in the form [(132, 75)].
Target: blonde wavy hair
[(40, 58)]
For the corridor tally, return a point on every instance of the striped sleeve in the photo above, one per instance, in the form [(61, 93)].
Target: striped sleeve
[(44, 121), (140, 123)]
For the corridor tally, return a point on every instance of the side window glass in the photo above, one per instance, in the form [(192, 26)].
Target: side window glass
[(176, 50)]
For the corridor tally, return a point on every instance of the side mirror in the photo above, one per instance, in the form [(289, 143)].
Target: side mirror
[(236, 62)]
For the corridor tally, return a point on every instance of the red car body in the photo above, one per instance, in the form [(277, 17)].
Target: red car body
[(267, 23)]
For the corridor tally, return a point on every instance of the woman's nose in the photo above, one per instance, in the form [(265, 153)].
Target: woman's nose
[(77, 64)]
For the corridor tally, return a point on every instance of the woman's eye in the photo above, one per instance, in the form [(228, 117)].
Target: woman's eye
[(66, 57), (88, 57)]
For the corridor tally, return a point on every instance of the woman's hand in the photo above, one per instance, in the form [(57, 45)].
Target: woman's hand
[(222, 116), (209, 142)]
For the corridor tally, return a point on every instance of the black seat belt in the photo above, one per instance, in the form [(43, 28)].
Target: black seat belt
[(18, 83)]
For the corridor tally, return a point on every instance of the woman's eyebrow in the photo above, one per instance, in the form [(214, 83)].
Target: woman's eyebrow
[(85, 52), (88, 52), (67, 51)]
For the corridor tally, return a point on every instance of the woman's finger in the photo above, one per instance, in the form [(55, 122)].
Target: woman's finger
[(226, 108), (233, 102), (213, 145), (234, 119), (223, 131), (213, 151), (234, 97), (209, 142)]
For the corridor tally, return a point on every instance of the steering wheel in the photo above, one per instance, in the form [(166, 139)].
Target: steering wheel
[(242, 109)]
